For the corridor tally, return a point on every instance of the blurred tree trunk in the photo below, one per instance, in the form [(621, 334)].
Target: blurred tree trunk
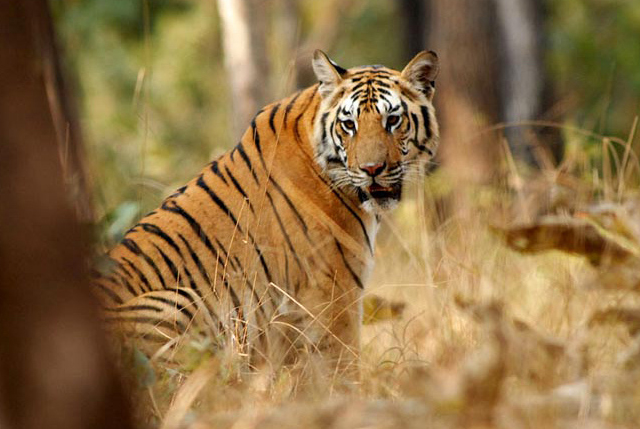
[(414, 13), (526, 92), (65, 119), (463, 33), (54, 366), (244, 24), (493, 71)]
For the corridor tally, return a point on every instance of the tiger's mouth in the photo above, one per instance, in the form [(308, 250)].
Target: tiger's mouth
[(379, 192), (378, 197)]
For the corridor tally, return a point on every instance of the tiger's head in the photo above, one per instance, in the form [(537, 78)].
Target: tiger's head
[(375, 126)]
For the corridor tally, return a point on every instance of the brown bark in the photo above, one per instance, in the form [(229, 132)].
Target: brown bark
[(65, 119), (414, 16), (54, 366), (462, 33)]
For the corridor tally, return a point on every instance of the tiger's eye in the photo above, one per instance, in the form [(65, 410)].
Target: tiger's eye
[(393, 120), (349, 124)]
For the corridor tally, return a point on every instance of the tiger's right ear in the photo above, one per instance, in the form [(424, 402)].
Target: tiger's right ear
[(328, 72)]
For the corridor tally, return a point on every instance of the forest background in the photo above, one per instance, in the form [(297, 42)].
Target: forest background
[(538, 104), (157, 101)]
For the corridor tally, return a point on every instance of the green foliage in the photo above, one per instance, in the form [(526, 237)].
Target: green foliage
[(153, 95), (595, 61)]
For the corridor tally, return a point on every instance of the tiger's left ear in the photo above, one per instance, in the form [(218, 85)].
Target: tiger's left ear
[(421, 72), (328, 72)]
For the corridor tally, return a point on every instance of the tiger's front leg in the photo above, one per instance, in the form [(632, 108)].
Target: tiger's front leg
[(321, 322)]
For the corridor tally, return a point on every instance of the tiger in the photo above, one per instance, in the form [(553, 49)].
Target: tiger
[(270, 246)]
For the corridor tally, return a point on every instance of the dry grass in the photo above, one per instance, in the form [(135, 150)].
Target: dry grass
[(490, 337)]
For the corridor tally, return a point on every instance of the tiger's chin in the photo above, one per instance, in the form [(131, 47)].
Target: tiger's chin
[(376, 198)]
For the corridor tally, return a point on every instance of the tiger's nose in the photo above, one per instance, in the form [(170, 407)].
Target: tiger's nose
[(372, 168)]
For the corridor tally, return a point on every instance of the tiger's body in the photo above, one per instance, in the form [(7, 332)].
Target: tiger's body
[(274, 240)]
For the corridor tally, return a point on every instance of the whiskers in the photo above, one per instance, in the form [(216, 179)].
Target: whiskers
[(340, 179), (408, 171), (415, 170)]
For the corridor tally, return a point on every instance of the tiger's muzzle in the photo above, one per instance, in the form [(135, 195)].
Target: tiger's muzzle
[(379, 188)]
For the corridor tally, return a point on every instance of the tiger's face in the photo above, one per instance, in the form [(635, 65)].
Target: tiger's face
[(375, 127)]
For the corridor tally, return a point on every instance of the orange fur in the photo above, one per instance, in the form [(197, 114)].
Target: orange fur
[(264, 246)]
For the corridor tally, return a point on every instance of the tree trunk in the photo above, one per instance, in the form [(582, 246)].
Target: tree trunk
[(526, 92), (462, 32), (415, 16), (65, 119), (244, 39), (54, 366)]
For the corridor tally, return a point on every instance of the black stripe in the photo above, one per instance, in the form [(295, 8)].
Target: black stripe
[(272, 116), (346, 264), (234, 298), (256, 136), (173, 304), (355, 215), (217, 172), (178, 191), (290, 204), (290, 106), (244, 273), (221, 247), (139, 273), (373, 71), (156, 230), (323, 125), (256, 141), (112, 294), (239, 264), (196, 289), (151, 321), (259, 303), (333, 133), (122, 268), (359, 85), (135, 249), (125, 282), (224, 208), (425, 118), (414, 119), (239, 188), (193, 285), (246, 160), (201, 184), (315, 111), (126, 271), (135, 307), (284, 231), (356, 94), (262, 261), (196, 259), (204, 274), (286, 269), (175, 208), (168, 262)]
